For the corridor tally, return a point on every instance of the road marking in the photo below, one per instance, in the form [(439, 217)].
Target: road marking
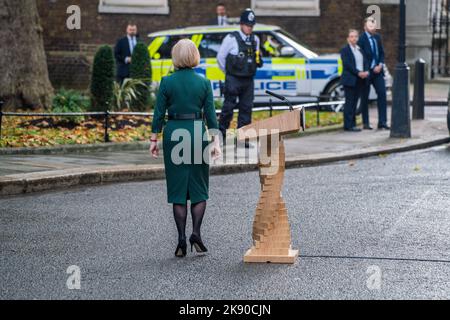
[(402, 217)]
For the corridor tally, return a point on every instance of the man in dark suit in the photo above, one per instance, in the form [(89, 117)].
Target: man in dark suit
[(354, 79), (123, 51), (372, 47), (221, 19)]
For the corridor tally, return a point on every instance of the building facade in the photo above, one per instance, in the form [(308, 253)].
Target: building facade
[(321, 24)]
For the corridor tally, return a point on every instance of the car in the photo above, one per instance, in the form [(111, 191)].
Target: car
[(290, 68)]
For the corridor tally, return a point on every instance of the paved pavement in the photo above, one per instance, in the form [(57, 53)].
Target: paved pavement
[(351, 222), (303, 148), (436, 91)]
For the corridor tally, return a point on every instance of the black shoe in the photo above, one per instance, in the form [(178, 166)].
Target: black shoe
[(198, 244), (384, 127), (181, 249), (355, 129), (367, 127)]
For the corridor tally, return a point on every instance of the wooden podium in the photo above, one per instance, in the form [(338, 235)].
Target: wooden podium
[(271, 229)]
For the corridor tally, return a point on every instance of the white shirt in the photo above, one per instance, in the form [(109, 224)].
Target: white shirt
[(231, 46), (373, 43), (358, 57), (222, 21), (132, 43)]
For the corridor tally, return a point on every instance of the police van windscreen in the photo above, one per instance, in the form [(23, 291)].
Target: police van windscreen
[(297, 44)]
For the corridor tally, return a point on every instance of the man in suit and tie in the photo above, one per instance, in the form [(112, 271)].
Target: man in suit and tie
[(372, 48), (354, 78), (221, 19), (123, 51)]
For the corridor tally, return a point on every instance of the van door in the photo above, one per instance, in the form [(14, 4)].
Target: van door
[(208, 46), (287, 76)]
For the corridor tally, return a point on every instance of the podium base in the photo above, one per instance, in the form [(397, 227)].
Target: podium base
[(287, 259)]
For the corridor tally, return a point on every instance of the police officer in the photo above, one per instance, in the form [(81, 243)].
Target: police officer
[(272, 46), (239, 58)]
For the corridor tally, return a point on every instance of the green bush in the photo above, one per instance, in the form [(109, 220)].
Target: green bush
[(141, 69), (66, 101), (102, 82), (218, 104), (127, 94)]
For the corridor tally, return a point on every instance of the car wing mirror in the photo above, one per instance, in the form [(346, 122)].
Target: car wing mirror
[(287, 51)]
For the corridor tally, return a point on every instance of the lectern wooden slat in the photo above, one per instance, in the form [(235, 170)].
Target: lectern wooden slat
[(271, 229)]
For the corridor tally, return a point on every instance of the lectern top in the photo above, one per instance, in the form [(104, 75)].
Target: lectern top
[(285, 123)]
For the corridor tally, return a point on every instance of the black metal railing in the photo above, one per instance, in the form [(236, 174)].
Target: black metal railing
[(108, 115)]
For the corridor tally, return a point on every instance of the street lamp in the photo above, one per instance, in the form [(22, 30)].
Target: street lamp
[(401, 119)]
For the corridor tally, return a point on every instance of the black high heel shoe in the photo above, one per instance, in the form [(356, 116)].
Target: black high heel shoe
[(181, 249), (198, 244)]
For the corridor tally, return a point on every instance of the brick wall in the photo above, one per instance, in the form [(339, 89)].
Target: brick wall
[(70, 52)]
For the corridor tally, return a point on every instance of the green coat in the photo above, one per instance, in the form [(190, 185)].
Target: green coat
[(185, 92)]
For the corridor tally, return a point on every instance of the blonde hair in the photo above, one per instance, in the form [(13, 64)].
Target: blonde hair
[(185, 54)]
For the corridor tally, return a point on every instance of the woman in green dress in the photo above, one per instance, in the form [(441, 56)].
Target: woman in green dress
[(188, 99)]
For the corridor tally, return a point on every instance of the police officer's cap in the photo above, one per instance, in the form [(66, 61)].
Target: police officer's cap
[(248, 17)]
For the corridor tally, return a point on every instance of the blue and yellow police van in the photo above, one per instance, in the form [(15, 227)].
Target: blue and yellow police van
[(290, 68)]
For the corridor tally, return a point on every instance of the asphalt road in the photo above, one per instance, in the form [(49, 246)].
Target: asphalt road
[(370, 229)]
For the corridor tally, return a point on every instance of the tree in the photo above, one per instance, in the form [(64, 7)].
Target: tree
[(24, 81), (102, 81), (141, 69)]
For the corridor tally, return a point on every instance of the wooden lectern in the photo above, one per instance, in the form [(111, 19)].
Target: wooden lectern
[(271, 229)]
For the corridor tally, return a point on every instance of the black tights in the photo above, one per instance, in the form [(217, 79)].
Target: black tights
[(180, 215)]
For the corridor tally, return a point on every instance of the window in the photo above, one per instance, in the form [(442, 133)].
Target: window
[(271, 45), (210, 45), (134, 6), (165, 50), (286, 7)]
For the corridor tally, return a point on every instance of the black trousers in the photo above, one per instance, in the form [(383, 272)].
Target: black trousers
[(239, 93), (352, 95)]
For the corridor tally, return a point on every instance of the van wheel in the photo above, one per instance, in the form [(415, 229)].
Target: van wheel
[(334, 92)]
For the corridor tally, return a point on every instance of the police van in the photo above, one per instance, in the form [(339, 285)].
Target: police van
[(290, 68)]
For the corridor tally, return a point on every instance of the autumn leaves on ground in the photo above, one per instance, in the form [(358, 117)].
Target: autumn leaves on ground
[(26, 86), (51, 131)]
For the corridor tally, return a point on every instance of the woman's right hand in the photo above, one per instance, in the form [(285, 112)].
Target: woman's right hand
[(154, 149), (216, 150)]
